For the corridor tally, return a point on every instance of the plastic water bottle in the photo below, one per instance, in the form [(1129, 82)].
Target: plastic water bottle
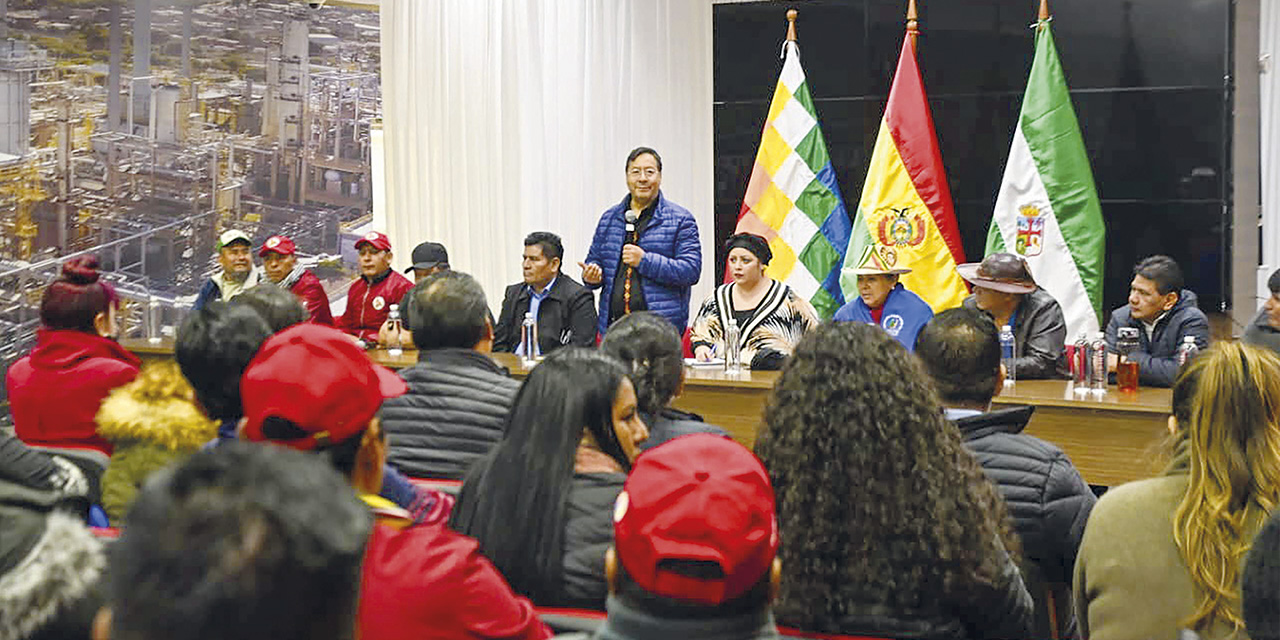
[(1008, 351), (1098, 363), (732, 348), (153, 320), (529, 350), (1080, 363), (394, 348), (1187, 350)]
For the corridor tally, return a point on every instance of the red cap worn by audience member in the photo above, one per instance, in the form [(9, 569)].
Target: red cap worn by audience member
[(278, 244), (375, 239), (318, 379), (699, 497)]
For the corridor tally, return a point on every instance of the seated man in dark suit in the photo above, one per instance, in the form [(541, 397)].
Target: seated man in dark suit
[(564, 310)]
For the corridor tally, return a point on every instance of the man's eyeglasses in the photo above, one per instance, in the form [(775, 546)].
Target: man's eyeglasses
[(636, 172)]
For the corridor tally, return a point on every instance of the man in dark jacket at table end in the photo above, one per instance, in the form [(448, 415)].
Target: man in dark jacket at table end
[(1264, 331), (563, 309), (1047, 498), (458, 399), (1003, 287), (1164, 314)]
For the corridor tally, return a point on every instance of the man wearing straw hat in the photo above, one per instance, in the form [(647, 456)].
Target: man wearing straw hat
[(882, 300), (1003, 287)]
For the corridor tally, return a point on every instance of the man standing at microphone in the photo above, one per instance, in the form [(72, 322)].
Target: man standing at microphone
[(645, 253)]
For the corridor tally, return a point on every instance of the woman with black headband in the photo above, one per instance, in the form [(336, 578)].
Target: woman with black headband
[(771, 317)]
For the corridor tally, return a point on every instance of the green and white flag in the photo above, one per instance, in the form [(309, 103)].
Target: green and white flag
[(1047, 210)]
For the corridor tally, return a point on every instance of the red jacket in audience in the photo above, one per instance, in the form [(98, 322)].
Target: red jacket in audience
[(368, 304), (431, 582), (311, 293), (55, 391)]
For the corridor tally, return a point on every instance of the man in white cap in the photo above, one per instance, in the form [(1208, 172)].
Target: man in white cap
[(882, 300), (1003, 287), (235, 255)]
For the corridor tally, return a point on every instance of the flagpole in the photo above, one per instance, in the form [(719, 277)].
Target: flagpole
[(913, 22), (1044, 15), (791, 24)]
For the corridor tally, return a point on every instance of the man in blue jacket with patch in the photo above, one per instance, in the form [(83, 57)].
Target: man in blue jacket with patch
[(645, 254), (883, 301)]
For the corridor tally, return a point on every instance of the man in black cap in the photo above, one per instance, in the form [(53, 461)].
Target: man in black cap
[(1003, 287), (428, 258)]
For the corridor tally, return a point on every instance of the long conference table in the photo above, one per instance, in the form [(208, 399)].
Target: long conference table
[(1112, 439)]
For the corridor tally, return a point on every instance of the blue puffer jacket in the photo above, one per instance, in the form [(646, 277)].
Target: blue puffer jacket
[(672, 259)]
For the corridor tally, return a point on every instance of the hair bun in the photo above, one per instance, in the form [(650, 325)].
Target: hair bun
[(81, 270)]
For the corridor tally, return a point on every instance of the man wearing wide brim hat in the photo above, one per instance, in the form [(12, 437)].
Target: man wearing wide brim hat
[(1004, 288), (882, 300)]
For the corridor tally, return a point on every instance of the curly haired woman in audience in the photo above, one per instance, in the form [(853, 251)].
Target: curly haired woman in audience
[(1165, 553), (55, 391), (889, 527), (541, 502), (649, 347)]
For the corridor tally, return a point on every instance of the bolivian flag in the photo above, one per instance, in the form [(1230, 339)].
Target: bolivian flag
[(905, 212), (792, 198)]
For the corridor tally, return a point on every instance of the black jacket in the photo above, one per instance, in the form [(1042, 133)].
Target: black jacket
[(670, 423), (1260, 333), (1047, 498), (566, 316), (1039, 336), (588, 533), (454, 412), (1157, 357)]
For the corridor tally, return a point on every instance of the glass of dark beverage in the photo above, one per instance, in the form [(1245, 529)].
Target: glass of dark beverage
[(1127, 375)]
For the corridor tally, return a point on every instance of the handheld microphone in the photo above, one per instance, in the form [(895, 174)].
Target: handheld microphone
[(632, 216)]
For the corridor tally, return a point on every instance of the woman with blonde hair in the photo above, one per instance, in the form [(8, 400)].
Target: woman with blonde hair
[(1164, 554)]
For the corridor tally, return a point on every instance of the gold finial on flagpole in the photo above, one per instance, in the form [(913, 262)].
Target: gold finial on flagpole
[(791, 24), (913, 22), (1044, 12)]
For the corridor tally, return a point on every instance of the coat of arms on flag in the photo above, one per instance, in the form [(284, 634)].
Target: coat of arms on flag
[(1030, 238)]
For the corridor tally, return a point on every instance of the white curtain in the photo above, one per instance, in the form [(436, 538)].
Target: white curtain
[(503, 117), (1269, 50)]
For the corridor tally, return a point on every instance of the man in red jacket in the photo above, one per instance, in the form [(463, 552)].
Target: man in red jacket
[(309, 388), (370, 298), (280, 261)]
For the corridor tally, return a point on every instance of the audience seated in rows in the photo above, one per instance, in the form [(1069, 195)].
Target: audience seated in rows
[(565, 311), (1048, 499), (695, 539), (541, 502), (50, 564), (1165, 553), (889, 527), (310, 388), (649, 349), (1004, 288), (55, 391), (151, 422), (216, 343), (770, 315), (370, 298), (458, 398), (1164, 314), (228, 544)]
